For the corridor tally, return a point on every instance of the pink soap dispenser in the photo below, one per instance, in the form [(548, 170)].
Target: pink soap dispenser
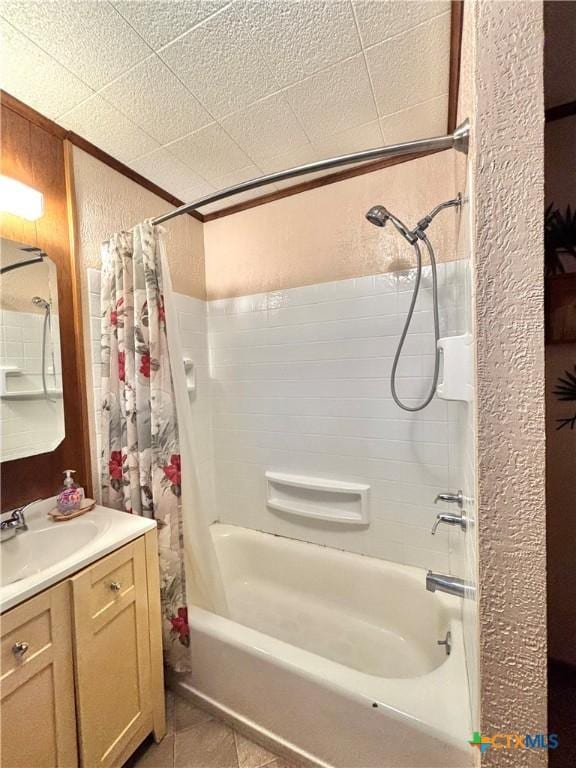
[(71, 496)]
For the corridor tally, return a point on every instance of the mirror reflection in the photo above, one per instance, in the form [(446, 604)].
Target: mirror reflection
[(31, 402)]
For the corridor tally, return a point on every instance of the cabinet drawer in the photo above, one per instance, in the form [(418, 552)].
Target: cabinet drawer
[(112, 582), (28, 641)]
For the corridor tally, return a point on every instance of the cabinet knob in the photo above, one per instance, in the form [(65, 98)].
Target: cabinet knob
[(115, 586), (20, 648)]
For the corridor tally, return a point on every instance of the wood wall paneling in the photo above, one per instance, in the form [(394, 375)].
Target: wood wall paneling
[(34, 155)]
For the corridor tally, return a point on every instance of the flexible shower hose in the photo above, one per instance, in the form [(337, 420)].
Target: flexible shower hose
[(47, 325), (409, 316)]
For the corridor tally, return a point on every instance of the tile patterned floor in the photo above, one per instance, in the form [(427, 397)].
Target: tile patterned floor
[(195, 739)]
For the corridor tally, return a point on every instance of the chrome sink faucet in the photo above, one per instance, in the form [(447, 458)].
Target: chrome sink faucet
[(16, 523)]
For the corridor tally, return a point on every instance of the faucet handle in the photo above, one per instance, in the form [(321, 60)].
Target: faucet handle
[(451, 519), (451, 498)]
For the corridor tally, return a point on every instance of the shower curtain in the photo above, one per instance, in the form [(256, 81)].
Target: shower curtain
[(141, 464)]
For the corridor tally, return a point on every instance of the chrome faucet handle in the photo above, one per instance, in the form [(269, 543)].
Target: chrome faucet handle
[(451, 498), (450, 519)]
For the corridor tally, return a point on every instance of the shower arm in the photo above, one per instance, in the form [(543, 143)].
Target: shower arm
[(424, 223), (457, 140)]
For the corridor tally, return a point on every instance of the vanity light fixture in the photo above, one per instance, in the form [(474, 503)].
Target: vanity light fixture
[(20, 200)]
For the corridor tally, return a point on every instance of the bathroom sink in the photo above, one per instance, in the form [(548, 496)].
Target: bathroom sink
[(35, 550), (49, 552)]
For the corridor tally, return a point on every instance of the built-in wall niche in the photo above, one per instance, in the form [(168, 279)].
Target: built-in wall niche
[(31, 402)]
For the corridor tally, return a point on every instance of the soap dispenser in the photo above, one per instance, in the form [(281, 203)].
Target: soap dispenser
[(71, 496)]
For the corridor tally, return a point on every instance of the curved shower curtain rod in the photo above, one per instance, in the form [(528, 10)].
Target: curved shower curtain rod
[(457, 140)]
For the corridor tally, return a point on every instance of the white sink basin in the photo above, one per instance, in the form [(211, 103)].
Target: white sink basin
[(48, 552), (35, 550)]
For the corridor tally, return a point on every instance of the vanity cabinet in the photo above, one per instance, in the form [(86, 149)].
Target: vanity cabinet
[(82, 677)]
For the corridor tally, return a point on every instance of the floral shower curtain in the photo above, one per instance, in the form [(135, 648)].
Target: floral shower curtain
[(140, 446)]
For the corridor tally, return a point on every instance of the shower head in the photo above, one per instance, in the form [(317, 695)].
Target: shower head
[(378, 215), (38, 301)]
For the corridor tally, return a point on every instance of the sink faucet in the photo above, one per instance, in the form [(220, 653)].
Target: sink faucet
[(16, 523), (450, 584)]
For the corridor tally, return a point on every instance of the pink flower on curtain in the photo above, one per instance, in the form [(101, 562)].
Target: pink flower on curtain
[(172, 470), (122, 366), (145, 365), (180, 626), (115, 465)]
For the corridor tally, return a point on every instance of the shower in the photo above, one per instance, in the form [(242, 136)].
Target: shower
[(379, 216), (38, 301)]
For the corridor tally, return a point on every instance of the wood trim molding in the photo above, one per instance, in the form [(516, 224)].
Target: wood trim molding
[(456, 22), (560, 111), (86, 146), (75, 270), (304, 186)]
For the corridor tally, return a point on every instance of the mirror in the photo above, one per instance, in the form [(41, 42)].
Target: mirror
[(31, 402)]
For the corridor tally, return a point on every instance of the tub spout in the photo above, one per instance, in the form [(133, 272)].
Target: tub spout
[(450, 584)]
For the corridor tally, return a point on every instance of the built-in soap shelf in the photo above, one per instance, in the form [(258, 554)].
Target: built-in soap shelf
[(455, 380), (7, 371), (313, 497), (190, 374)]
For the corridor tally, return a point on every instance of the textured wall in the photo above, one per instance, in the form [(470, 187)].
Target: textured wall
[(507, 161), (322, 235), (107, 202)]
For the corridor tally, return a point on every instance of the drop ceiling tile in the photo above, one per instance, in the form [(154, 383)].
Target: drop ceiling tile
[(153, 98), (167, 171), (89, 38), (333, 100), (218, 62), (402, 78), (266, 128), (160, 21), (34, 77), (355, 139), (420, 122), (107, 128), (210, 152), (300, 156), (381, 19), (299, 39)]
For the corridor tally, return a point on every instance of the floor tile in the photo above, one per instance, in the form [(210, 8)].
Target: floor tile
[(251, 755), (187, 715), (208, 745), (151, 755), (169, 712)]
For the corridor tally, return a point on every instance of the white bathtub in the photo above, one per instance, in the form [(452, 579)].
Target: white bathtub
[(333, 654)]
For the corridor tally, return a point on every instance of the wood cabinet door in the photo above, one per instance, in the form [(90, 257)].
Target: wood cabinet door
[(112, 652), (37, 683)]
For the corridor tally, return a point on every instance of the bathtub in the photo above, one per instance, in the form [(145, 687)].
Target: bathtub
[(333, 655)]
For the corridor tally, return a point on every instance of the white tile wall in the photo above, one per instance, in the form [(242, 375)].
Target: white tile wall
[(298, 381), (28, 426)]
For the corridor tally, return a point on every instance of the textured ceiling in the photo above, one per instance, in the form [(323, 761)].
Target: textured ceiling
[(197, 95)]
